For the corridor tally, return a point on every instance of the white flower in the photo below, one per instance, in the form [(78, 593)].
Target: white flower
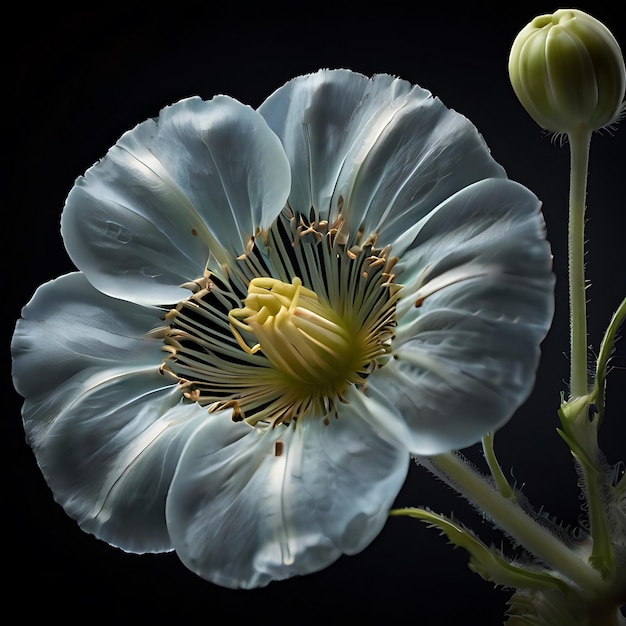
[(274, 310)]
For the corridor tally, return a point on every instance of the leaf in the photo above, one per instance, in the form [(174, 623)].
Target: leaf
[(485, 561)]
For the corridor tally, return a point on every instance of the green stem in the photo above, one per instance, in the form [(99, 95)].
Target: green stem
[(579, 140), (512, 519), (581, 432), (494, 467), (606, 349)]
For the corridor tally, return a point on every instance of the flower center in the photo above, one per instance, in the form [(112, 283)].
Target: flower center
[(315, 351), (283, 335)]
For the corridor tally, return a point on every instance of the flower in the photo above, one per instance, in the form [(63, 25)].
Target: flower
[(567, 70), (273, 310)]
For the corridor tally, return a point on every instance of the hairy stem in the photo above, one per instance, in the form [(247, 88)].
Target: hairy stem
[(512, 519), (579, 141), (496, 471)]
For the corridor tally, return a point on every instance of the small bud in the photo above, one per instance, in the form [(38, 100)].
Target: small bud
[(568, 71)]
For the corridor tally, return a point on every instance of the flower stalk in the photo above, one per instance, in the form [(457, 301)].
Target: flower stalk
[(579, 139), (507, 515)]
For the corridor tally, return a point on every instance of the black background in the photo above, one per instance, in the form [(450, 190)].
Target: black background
[(78, 78)]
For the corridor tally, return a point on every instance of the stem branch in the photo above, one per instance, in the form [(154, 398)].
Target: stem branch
[(513, 520)]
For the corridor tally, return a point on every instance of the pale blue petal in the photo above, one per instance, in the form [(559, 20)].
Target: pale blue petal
[(460, 379), (466, 358), (68, 332), (483, 251), (319, 117), (174, 193), (110, 454), (380, 151), (246, 508), (105, 426)]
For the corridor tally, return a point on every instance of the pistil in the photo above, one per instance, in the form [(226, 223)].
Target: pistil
[(303, 339)]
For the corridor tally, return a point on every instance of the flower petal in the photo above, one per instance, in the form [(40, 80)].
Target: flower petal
[(319, 117), (105, 426), (194, 183), (248, 508), (110, 454), (69, 331), (380, 151), (466, 357)]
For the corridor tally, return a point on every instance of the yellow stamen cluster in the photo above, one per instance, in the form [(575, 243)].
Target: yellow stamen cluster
[(285, 351), (313, 349)]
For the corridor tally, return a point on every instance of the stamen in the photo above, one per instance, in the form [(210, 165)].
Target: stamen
[(301, 317)]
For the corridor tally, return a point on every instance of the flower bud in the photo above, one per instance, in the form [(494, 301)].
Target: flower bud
[(567, 70)]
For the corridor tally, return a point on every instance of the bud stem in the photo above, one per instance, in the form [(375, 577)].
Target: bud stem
[(579, 140)]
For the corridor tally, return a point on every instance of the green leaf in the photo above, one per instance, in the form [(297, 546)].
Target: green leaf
[(485, 561)]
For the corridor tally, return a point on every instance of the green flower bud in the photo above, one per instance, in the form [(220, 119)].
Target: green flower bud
[(567, 70)]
